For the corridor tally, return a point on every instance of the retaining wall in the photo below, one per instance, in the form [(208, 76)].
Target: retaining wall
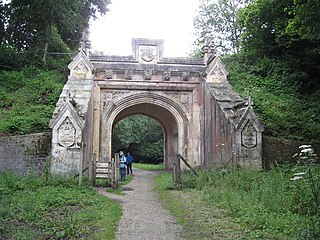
[(25, 154), (29, 153)]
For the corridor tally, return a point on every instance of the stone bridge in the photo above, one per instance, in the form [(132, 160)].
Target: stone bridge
[(202, 117)]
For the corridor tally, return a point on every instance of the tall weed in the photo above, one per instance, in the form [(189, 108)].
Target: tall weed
[(266, 201)]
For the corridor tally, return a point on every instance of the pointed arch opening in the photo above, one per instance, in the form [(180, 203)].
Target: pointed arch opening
[(166, 113)]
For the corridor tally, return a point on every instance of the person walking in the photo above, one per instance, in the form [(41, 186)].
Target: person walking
[(129, 159), (122, 166)]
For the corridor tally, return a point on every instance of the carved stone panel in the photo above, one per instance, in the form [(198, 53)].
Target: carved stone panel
[(109, 74), (148, 54), (249, 135), (185, 76), (128, 74), (166, 76), (81, 68), (183, 99), (147, 74), (66, 133)]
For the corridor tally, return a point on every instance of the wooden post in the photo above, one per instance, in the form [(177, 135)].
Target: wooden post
[(94, 170), (176, 170), (90, 168), (80, 166), (112, 176), (116, 170)]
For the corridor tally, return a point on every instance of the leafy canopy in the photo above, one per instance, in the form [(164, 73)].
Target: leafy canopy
[(49, 25)]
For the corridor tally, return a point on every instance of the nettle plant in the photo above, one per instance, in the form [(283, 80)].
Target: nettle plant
[(305, 182)]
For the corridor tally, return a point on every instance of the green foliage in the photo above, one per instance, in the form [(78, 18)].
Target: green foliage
[(219, 17), (34, 208), (198, 219), (306, 180), (28, 98), (269, 202), (285, 30), (38, 27), (140, 135), (275, 86), (65, 19)]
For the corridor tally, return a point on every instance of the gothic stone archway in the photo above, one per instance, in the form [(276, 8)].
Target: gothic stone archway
[(203, 118)]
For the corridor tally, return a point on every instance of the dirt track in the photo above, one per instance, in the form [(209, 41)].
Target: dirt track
[(143, 215)]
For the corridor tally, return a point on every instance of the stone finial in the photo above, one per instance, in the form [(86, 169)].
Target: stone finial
[(249, 102), (208, 47), (85, 43)]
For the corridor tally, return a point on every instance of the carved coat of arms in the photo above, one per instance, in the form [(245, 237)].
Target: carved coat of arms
[(147, 53), (249, 136), (66, 133)]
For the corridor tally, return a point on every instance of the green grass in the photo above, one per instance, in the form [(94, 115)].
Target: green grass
[(253, 204), (149, 167), (198, 219), (34, 208)]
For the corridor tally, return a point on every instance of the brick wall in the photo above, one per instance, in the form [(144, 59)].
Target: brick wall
[(25, 154)]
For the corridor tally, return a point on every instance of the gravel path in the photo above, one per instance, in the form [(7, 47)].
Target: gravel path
[(144, 218)]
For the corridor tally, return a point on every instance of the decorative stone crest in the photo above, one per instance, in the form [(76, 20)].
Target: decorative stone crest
[(66, 133), (249, 135), (81, 68), (216, 72), (147, 53)]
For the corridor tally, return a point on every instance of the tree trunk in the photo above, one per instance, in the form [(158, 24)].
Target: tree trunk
[(45, 51)]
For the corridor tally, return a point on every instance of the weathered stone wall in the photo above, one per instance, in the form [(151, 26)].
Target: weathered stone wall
[(218, 134), (25, 154), (278, 150)]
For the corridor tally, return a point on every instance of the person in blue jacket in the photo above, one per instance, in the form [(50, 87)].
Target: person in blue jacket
[(122, 166), (129, 163)]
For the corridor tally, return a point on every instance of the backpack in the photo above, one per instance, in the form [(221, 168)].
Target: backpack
[(129, 159)]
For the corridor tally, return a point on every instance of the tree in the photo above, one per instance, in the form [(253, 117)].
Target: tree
[(287, 30), (56, 23), (140, 135), (304, 19), (221, 19), (3, 21)]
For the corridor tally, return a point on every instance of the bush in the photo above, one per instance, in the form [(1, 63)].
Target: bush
[(28, 98)]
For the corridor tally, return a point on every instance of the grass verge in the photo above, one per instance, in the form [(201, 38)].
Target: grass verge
[(198, 220), (239, 204), (149, 167), (36, 208)]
